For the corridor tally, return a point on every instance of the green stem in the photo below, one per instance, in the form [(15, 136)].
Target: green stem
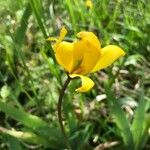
[(59, 108)]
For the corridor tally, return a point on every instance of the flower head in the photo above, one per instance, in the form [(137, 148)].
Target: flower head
[(89, 4), (84, 56)]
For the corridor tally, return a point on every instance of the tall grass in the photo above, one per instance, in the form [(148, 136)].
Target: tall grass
[(30, 78)]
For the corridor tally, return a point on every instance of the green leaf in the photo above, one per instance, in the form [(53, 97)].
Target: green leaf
[(37, 125), (139, 121), (52, 66), (13, 143), (25, 136), (145, 133), (20, 33), (81, 137), (37, 10), (69, 6), (119, 116), (36, 6)]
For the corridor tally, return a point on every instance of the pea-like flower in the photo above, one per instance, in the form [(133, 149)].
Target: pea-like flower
[(84, 56)]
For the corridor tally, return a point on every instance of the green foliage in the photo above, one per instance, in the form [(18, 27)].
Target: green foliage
[(30, 78), (120, 118)]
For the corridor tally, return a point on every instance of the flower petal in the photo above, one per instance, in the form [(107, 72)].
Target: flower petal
[(52, 39), (86, 53), (89, 36), (63, 33), (64, 55), (87, 83), (89, 4), (109, 54)]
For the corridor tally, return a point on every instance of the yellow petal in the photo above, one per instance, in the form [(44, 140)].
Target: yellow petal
[(87, 83), (63, 33), (52, 39), (89, 3), (64, 55), (109, 54), (86, 53), (90, 37)]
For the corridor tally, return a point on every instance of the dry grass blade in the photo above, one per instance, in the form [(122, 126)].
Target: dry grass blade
[(106, 145)]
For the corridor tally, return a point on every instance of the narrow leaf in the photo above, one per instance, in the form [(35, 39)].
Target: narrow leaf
[(20, 33), (39, 126), (14, 144), (119, 117), (25, 136), (37, 12), (139, 121)]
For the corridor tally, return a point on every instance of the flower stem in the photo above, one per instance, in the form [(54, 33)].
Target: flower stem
[(59, 109)]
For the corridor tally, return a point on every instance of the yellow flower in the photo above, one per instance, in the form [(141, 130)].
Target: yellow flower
[(84, 56), (89, 4)]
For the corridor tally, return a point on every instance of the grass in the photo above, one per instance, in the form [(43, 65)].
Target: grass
[(30, 78)]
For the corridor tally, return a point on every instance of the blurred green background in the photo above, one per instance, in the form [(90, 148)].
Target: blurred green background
[(30, 78)]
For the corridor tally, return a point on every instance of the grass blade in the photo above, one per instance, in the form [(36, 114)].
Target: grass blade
[(119, 117), (69, 6), (25, 136), (20, 33), (14, 143), (139, 121), (35, 5), (52, 66), (38, 126), (145, 133)]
